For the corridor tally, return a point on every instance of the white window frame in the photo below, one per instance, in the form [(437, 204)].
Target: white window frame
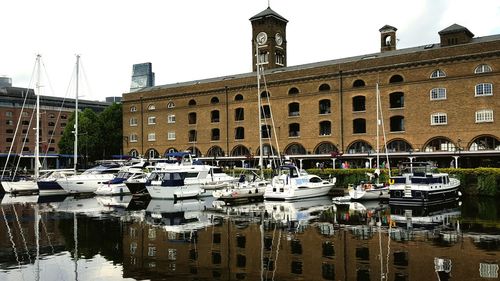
[(484, 116), (171, 135), (171, 104), (152, 137), (151, 107), (133, 138), (438, 73), (438, 94), (133, 108), (133, 122), (482, 68), (151, 120), (482, 86), (171, 118), (438, 119)]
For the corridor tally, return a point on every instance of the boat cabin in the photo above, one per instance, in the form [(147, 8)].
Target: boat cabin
[(166, 178)]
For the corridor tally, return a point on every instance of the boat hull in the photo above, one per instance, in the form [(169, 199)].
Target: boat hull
[(176, 192), (50, 188), (112, 189), (291, 193), (369, 194), (22, 186), (423, 195)]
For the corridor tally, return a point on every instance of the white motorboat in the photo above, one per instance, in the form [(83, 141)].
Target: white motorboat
[(290, 183), (420, 184), (117, 186), (245, 189), (170, 185)]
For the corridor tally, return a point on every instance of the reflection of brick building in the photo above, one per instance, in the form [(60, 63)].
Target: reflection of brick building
[(438, 101), (233, 249)]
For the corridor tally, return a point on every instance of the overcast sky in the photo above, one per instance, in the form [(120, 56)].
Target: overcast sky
[(197, 39)]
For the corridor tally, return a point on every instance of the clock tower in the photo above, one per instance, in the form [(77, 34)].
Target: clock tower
[(268, 39)]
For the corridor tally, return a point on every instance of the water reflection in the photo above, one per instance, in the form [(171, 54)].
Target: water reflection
[(116, 238)]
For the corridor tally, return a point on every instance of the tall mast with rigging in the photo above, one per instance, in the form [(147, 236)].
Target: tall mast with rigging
[(37, 114), (259, 115), (75, 156)]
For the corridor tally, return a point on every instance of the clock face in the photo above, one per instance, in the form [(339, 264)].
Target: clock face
[(261, 38), (279, 39)]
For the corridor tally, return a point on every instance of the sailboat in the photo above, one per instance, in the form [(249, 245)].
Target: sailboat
[(29, 185), (373, 190)]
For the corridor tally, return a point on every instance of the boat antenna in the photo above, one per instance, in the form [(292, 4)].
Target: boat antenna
[(75, 151)]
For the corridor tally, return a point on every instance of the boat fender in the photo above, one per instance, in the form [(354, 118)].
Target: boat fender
[(391, 181), (367, 186)]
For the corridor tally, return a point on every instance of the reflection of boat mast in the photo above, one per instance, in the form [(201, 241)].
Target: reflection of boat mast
[(37, 235), (75, 237)]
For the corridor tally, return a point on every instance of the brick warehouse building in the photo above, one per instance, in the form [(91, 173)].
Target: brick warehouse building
[(437, 101)]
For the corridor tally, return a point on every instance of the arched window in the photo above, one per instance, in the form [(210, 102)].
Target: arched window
[(239, 114), (398, 146), (192, 118), (152, 153), (485, 143), (358, 83), (295, 149), (293, 91), (358, 103), (324, 87), (325, 128), (240, 150), (169, 150), (396, 79), (214, 116), (267, 150), (265, 95), (294, 130), (238, 97), (192, 135), (325, 148), (482, 68), (294, 109), (133, 108), (359, 126), (151, 107), (439, 144), (214, 100), (171, 104), (192, 103), (325, 107), (239, 133), (438, 73), (215, 151), (133, 153), (397, 123), (360, 147), (397, 100), (215, 135), (194, 151)]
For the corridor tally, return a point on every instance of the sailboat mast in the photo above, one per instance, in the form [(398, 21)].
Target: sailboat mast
[(37, 124), (75, 156), (378, 125), (259, 115)]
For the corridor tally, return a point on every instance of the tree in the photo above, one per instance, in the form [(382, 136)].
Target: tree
[(110, 122)]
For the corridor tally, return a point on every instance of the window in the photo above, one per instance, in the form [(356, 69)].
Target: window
[(192, 103), (171, 136), (192, 118), (214, 100), (484, 89), (482, 68), (325, 128), (293, 91), (52, 116), (171, 118), (133, 121), (358, 83), (8, 140), (439, 119), (294, 130), (238, 97), (438, 73), (239, 114), (397, 124), (64, 116), (214, 116), (133, 108), (324, 88), (152, 137), (294, 109), (192, 135), (133, 138), (151, 251), (239, 133), (324, 107), (8, 113), (280, 58), (438, 94), (265, 112), (265, 95), (265, 131), (171, 104), (151, 107), (9, 131), (10, 122), (151, 120), (25, 122), (359, 126), (263, 57), (396, 79), (172, 254), (397, 100), (485, 115), (215, 134), (358, 103)]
